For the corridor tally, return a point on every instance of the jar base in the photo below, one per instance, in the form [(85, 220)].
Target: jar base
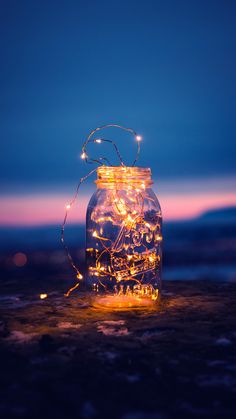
[(123, 302)]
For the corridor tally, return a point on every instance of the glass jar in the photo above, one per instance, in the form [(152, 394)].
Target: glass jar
[(124, 239)]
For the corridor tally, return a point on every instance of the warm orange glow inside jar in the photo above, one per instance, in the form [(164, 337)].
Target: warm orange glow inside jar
[(124, 239)]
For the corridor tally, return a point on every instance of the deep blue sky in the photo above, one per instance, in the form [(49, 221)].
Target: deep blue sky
[(165, 68)]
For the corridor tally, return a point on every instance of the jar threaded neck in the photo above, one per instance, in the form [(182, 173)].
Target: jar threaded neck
[(111, 176)]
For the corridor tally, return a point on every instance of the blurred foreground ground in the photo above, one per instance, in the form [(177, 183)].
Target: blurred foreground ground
[(61, 358)]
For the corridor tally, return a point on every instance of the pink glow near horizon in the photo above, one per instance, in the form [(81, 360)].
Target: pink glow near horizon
[(40, 209)]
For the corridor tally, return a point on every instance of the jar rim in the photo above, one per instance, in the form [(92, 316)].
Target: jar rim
[(123, 174)]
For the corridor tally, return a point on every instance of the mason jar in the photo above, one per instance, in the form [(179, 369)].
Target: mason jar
[(124, 239)]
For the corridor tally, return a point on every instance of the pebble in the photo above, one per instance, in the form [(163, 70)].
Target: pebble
[(113, 328), (223, 341)]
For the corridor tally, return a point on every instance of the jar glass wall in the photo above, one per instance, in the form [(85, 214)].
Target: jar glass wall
[(124, 239)]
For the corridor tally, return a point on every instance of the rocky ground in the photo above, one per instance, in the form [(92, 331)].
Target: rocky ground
[(61, 358)]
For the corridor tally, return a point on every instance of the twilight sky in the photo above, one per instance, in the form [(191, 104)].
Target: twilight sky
[(165, 68)]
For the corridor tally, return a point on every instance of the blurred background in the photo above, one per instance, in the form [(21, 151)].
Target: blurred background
[(166, 69)]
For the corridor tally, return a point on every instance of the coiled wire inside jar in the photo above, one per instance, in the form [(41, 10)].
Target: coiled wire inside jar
[(123, 234)]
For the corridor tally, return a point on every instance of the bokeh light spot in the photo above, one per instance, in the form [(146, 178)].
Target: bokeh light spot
[(19, 259)]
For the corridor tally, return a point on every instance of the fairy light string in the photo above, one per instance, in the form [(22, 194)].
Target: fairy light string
[(128, 214), (90, 139)]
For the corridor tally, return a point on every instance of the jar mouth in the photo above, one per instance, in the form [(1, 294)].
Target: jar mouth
[(125, 175)]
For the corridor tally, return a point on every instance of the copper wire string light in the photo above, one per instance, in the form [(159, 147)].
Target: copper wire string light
[(89, 139), (123, 261)]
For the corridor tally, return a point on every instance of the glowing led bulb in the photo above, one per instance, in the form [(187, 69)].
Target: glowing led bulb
[(43, 296), (79, 276), (68, 206), (98, 140), (83, 155), (95, 234), (138, 138)]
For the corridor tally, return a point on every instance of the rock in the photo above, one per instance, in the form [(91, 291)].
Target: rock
[(223, 341)]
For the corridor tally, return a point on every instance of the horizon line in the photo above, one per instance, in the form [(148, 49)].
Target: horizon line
[(81, 223)]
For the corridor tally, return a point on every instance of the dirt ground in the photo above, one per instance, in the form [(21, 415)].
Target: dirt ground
[(61, 358)]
